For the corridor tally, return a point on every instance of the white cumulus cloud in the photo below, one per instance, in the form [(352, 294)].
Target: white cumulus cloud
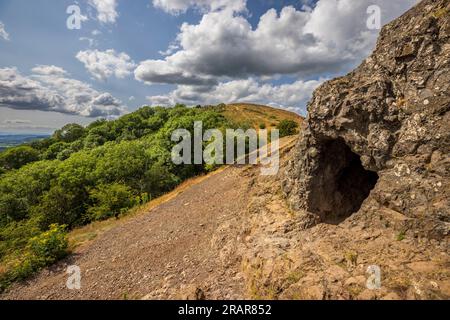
[(46, 70), (180, 6), (293, 96), (328, 38), (104, 64), (106, 10), (223, 48)]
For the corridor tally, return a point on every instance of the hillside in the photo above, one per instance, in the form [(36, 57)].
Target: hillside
[(82, 175), (359, 209), (231, 235), (171, 250)]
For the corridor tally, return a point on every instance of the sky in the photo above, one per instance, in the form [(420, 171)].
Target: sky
[(71, 61)]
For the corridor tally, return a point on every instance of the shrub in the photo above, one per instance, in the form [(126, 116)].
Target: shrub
[(53, 151), (49, 246), (287, 128), (110, 200), (262, 126), (59, 205), (41, 251), (16, 158), (69, 133)]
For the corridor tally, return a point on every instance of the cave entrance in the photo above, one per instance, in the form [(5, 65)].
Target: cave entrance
[(341, 185)]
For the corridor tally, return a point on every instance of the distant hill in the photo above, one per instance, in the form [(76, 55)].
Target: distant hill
[(8, 140)]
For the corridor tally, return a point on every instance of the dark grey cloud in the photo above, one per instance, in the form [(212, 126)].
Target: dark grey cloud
[(160, 72), (49, 89)]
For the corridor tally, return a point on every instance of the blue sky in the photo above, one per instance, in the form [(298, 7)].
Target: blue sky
[(263, 51)]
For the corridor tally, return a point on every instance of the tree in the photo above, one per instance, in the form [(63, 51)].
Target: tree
[(110, 201), (52, 152), (60, 206), (16, 158), (69, 133), (287, 128)]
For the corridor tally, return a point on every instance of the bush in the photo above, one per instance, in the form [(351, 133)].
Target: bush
[(287, 128), (49, 246), (69, 133), (262, 126), (59, 205), (52, 152), (15, 236), (41, 251), (16, 158), (110, 200)]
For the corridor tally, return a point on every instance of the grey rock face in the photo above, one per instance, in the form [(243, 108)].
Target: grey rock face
[(379, 137)]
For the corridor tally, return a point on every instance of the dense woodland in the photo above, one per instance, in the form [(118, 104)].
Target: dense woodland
[(85, 174)]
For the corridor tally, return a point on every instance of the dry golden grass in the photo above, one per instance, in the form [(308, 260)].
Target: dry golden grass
[(255, 115)]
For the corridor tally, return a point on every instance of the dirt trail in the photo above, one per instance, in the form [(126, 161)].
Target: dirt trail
[(169, 252)]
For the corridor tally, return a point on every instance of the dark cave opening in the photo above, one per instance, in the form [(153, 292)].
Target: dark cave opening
[(341, 185)]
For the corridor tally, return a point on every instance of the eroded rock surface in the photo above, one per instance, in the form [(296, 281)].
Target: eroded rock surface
[(379, 137), (285, 257)]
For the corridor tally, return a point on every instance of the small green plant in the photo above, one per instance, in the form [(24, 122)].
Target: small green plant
[(401, 236), (49, 246), (442, 12), (352, 258), (294, 277), (262, 126)]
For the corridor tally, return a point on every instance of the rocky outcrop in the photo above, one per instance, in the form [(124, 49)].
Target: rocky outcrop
[(380, 136), (284, 257)]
